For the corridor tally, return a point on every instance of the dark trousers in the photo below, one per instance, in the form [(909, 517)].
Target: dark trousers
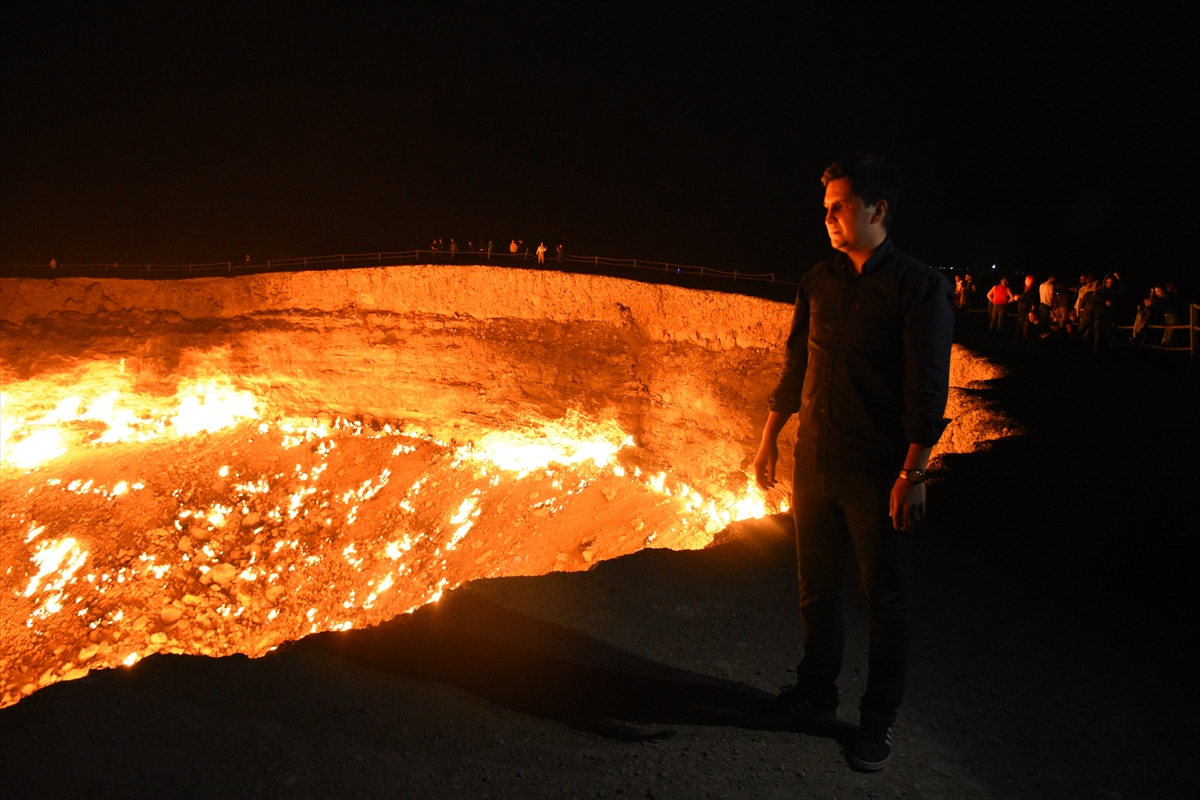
[(834, 510), (996, 316)]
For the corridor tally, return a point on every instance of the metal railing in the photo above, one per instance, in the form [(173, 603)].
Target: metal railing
[(473, 257), (1192, 326)]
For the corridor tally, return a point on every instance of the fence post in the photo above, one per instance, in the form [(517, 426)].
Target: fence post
[(735, 274), (1193, 331), (597, 261)]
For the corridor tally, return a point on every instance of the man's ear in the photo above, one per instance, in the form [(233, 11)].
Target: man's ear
[(879, 213)]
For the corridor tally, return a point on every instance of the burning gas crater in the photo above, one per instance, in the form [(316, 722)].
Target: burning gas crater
[(216, 466), (268, 530)]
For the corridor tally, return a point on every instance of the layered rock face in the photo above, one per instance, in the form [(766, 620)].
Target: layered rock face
[(139, 532), (462, 350)]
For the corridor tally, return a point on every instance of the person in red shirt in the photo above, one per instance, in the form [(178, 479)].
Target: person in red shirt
[(999, 296)]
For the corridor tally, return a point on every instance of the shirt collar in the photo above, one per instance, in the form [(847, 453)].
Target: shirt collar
[(873, 263)]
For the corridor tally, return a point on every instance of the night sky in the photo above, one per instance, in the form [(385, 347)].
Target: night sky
[(1039, 140)]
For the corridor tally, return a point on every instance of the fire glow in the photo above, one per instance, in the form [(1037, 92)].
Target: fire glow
[(199, 523)]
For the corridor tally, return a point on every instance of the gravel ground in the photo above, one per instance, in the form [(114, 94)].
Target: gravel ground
[(1055, 603)]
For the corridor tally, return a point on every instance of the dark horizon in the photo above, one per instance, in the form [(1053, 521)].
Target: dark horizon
[(1036, 141)]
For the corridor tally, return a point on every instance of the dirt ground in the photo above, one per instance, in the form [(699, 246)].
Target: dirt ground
[(1055, 599)]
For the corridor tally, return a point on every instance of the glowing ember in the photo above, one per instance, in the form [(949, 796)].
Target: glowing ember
[(572, 441), (26, 441), (277, 529), (40, 445)]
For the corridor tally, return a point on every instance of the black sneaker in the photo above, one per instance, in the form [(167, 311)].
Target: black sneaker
[(873, 747), (791, 703)]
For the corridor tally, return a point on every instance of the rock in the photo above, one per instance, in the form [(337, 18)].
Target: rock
[(87, 653), (158, 638), (274, 592), (223, 573), (722, 666), (185, 544), (252, 519), (192, 600), (141, 622), (171, 614), (200, 534), (158, 532)]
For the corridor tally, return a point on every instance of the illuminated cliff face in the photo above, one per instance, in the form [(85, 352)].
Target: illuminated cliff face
[(219, 465)]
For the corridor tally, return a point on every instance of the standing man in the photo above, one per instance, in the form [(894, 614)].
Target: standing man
[(541, 253), (868, 370), (1027, 301), (1046, 293)]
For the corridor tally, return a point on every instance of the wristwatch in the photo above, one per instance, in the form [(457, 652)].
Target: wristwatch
[(913, 475)]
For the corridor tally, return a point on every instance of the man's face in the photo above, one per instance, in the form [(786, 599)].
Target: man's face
[(847, 220)]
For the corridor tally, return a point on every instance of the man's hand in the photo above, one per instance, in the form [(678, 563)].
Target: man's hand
[(768, 451), (907, 504), (765, 461)]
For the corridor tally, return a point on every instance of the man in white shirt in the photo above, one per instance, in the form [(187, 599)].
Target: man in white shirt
[(1046, 294)]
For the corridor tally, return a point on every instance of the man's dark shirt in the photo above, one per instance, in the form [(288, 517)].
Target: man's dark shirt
[(868, 360)]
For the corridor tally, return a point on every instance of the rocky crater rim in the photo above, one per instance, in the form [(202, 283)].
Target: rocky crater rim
[(461, 349)]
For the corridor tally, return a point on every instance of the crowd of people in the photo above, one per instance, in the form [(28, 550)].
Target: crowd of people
[(1092, 313), (484, 249)]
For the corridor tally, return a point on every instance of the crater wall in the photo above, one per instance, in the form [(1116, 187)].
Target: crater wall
[(461, 349)]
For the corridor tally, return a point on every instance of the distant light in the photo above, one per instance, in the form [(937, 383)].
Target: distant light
[(993, 266)]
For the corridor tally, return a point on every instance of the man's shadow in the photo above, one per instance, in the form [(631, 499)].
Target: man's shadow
[(547, 670)]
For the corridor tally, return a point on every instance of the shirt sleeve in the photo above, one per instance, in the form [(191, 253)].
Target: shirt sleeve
[(928, 332), (786, 397)]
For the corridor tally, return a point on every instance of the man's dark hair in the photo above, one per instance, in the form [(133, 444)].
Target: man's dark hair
[(873, 177)]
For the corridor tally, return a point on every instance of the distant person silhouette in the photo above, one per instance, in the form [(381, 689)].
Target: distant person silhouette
[(999, 296), (541, 253), (558, 255), (512, 248)]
